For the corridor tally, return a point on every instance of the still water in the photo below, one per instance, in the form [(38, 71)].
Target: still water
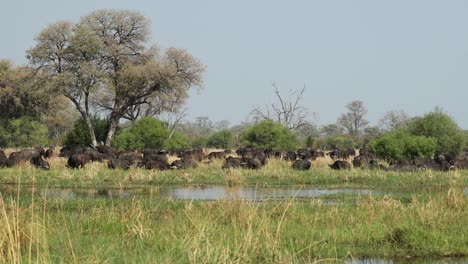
[(203, 193), (184, 192)]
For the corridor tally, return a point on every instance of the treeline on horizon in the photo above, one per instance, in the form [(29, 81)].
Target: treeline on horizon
[(99, 81)]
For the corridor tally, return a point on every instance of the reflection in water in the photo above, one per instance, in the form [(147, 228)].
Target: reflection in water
[(187, 193), (182, 193), (408, 261)]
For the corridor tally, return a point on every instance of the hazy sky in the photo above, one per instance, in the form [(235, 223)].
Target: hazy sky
[(409, 55)]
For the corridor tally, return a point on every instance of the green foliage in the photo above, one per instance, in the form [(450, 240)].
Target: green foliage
[(222, 140), (309, 142), (339, 142), (79, 135), (269, 134), (177, 141), (399, 145), (23, 132), (439, 125), (148, 132)]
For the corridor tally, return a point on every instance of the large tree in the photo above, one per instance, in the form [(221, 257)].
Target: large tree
[(354, 120), (105, 62)]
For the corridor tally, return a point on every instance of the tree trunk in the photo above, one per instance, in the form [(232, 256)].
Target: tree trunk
[(87, 118), (113, 123), (89, 125)]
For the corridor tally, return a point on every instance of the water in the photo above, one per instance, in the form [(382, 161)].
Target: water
[(183, 192), (203, 193), (408, 261)]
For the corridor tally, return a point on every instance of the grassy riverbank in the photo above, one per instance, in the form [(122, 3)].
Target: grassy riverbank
[(430, 225), (276, 172)]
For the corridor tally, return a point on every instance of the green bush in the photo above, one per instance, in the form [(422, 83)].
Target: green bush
[(439, 125), (401, 145), (268, 134), (23, 132), (79, 135), (177, 141), (222, 140), (339, 142), (148, 132)]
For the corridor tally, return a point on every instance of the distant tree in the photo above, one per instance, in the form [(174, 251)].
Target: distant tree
[(331, 130), (439, 125), (60, 119), (354, 120), (369, 134), (307, 134), (339, 142), (20, 95), (222, 140), (221, 125), (269, 134), (308, 130), (393, 120), (237, 130), (287, 111)]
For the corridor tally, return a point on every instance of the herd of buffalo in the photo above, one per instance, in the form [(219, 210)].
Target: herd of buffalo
[(249, 158)]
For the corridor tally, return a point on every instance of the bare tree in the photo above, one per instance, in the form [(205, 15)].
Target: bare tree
[(394, 119), (287, 111), (353, 121)]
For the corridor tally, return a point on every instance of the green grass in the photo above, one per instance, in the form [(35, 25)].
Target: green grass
[(424, 216), (429, 225), (275, 173)]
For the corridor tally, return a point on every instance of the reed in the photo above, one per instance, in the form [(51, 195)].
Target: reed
[(427, 225)]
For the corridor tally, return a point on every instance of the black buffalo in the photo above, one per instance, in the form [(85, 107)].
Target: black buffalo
[(216, 155), (302, 164), (4, 162), (184, 164), (340, 165), (232, 162), (251, 163), (119, 164), (77, 161), (157, 165)]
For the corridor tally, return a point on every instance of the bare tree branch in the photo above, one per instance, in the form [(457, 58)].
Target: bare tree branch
[(288, 112)]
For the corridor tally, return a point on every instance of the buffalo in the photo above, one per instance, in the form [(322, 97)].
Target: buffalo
[(216, 155), (49, 153), (340, 165), (38, 162), (119, 164), (77, 161), (184, 164), (290, 156), (157, 164), (23, 156), (232, 162), (251, 163), (302, 164), (4, 162)]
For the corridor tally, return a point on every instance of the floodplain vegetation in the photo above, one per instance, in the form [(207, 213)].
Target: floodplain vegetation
[(414, 226), (274, 173)]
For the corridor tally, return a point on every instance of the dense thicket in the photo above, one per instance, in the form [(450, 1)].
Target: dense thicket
[(400, 144), (269, 134), (440, 126)]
